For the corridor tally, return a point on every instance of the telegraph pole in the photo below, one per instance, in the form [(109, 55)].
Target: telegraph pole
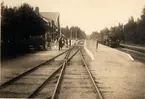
[(76, 33), (70, 37), (59, 26), (71, 34), (60, 33)]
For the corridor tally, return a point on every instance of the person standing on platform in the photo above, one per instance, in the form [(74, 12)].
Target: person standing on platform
[(69, 42), (49, 42), (66, 43), (60, 43), (96, 44)]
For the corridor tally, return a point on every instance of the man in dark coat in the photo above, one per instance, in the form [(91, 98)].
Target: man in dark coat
[(96, 44), (60, 43), (69, 42)]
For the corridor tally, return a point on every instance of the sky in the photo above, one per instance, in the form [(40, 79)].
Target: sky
[(89, 15)]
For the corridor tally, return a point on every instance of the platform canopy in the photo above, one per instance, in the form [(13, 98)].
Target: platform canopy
[(51, 16)]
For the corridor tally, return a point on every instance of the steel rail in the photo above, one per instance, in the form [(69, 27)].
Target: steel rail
[(91, 77), (30, 70), (138, 58), (61, 74), (134, 54), (34, 93)]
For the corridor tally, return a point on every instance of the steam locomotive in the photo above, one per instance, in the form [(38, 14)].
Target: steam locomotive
[(112, 41)]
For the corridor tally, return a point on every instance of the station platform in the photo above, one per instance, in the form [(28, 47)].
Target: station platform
[(117, 74)]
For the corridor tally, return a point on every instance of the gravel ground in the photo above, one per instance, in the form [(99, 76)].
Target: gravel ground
[(117, 75)]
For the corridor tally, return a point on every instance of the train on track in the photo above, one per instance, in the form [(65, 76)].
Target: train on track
[(112, 41), (109, 40)]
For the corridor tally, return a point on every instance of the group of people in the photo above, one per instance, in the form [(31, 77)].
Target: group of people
[(63, 42), (67, 42)]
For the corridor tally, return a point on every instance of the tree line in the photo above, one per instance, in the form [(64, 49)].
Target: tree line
[(73, 32), (133, 32), (18, 24)]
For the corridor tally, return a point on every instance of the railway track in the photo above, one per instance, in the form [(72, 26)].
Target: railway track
[(68, 79), (3, 85), (22, 80), (135, 54), (77, 81)]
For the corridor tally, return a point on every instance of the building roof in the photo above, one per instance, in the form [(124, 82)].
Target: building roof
[(54, 16)]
